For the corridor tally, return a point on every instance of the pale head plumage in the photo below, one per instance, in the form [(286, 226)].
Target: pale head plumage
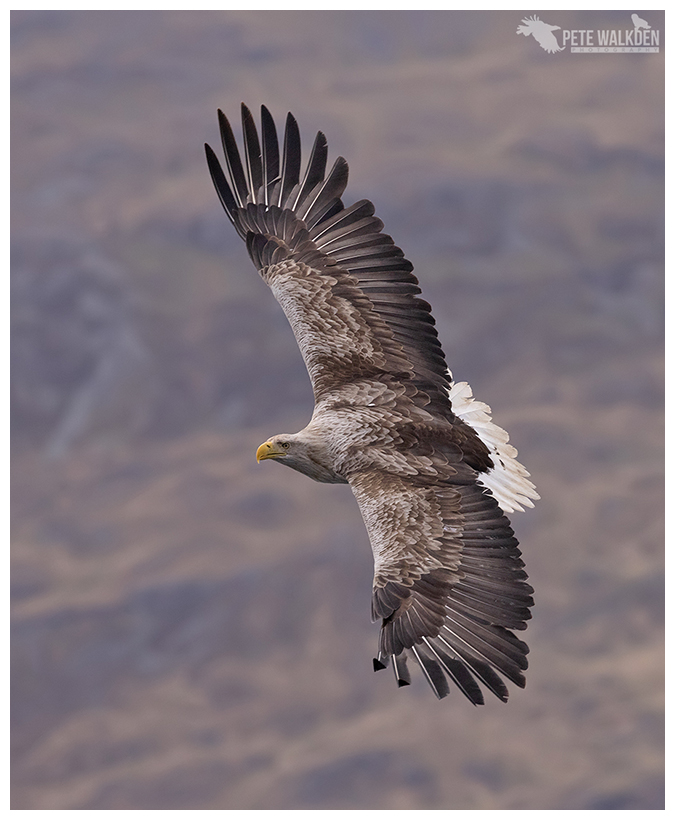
[(301, 451)]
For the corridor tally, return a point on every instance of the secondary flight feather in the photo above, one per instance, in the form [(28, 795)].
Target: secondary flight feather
[(433, 476)]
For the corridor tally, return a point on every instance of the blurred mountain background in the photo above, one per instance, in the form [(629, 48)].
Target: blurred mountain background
[(191, 630)]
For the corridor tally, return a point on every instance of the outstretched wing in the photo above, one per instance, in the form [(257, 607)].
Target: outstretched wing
[(347, 290), (349, 293), (449, 582)]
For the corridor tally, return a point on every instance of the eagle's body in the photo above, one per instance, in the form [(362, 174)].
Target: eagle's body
[(426, 465)]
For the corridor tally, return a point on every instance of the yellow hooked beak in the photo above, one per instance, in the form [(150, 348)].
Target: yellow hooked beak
[(269, 450)]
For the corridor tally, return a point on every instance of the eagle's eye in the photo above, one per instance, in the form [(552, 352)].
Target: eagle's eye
[(285, 445)]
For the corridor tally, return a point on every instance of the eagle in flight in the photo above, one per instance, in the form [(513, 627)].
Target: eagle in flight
[(432, 475), (542, 33)]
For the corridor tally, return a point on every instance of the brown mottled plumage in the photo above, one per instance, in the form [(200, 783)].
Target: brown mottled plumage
[(433, 476)]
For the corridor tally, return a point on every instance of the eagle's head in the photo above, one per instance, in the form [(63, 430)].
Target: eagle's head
[(300, 452)]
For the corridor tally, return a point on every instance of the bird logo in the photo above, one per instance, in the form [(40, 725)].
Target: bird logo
[(639, 23), (542, 33)]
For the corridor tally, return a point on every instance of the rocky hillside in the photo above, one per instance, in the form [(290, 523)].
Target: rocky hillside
[(191, 630)]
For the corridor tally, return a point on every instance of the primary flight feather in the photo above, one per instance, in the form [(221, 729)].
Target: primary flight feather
[(433, 476)]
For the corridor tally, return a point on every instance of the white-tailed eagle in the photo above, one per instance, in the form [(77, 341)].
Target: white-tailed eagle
[(433, 476)]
